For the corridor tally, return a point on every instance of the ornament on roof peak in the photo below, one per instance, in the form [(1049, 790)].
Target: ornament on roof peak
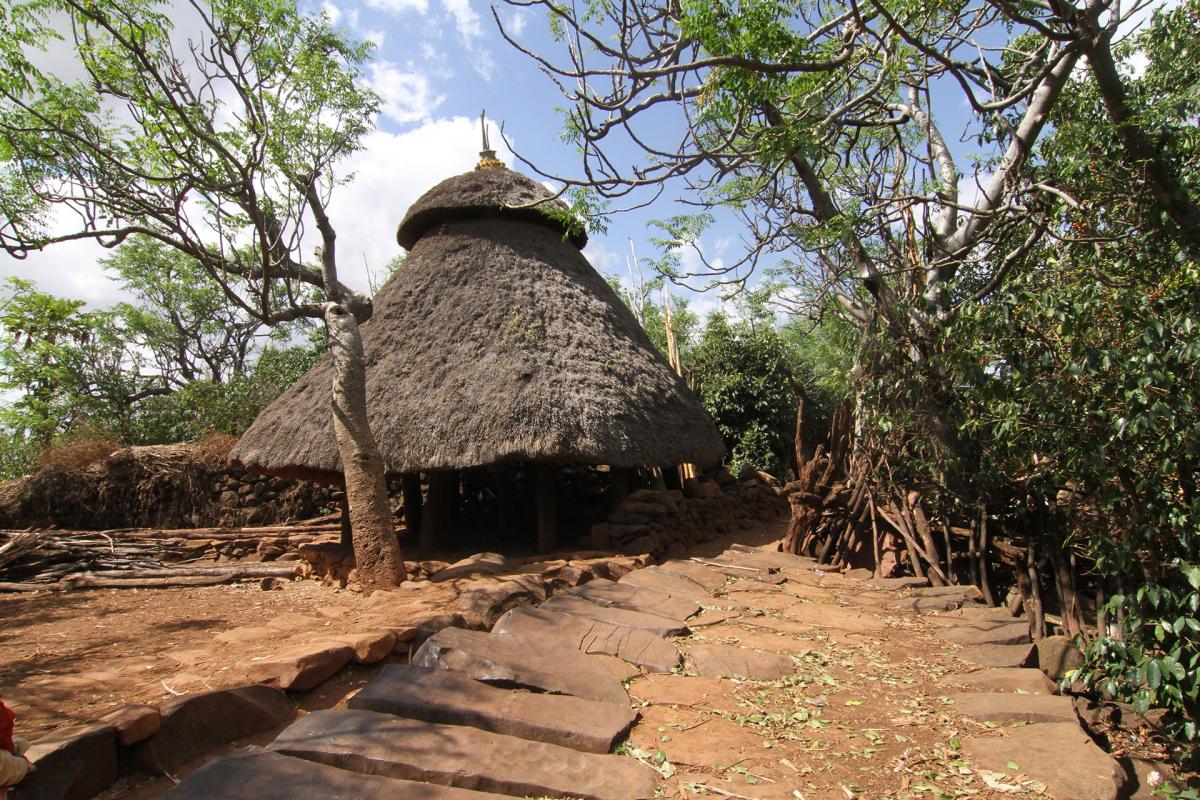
[(487, 156)]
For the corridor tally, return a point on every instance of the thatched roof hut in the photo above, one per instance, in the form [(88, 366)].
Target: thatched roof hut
[(495, 341)]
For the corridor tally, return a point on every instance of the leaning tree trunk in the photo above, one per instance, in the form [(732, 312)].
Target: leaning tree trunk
[(376, 549)]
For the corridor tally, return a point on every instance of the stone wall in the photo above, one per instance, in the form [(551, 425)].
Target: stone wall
[(666, 523)]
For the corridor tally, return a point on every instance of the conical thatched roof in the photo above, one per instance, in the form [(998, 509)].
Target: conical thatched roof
[(495, 341)]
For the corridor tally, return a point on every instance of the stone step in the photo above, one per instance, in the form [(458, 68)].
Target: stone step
[(719, 661), (1000, 679), (661, 580), (1001, 707), (1058, 754), (467, 758), (707, 577), (986, 633), (1000, 655), (434, 695), (522, 661), (257, 774), (632, 645), (622, 595), (752, 556), (660, 626)]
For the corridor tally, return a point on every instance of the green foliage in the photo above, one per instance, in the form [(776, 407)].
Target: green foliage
[(744, 377), (203, 407), (64, 365)]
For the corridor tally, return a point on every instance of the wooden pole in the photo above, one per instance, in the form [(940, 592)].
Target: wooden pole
[(547, 508), (411, 486), (438, 514)]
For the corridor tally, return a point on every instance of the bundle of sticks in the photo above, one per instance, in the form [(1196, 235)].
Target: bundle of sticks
[(137, 558)]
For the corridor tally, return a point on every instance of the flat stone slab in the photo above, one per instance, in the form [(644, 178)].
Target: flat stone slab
[(706, 577), (467, 758), (523, 661), (660, 626), (823, 615), (986, 633), (194, 725), (719, 660), (632, 645), (263, 775), (1000, 679), (752, 556), (434, 695), (907, 582), (73, 763), (1000, 655), (300, 667), (660, 580), (622, 595), (1057, 754), (1003, 707)]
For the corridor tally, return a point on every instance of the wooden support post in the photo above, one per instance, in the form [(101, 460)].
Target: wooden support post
[(411, 484), (347, 533), (438, 514), (618, 487), (547, 508)]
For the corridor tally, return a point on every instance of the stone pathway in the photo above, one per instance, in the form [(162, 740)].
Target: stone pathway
[(750, 675)]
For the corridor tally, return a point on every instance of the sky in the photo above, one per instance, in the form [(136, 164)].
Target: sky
[(437, 64)]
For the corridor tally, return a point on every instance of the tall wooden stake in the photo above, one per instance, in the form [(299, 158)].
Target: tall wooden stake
[(438, 514)]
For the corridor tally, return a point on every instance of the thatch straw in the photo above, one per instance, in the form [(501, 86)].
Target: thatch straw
[(495, 341)]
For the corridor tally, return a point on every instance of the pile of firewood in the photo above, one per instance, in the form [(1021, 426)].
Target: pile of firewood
[(54, 559)]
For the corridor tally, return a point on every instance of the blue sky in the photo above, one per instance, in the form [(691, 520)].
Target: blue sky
[(437, 64)]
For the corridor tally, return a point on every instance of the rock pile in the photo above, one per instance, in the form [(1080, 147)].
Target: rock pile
[(666, 523)]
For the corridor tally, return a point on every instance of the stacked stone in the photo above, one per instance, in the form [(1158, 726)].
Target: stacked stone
[(667, 523), (250, 499)]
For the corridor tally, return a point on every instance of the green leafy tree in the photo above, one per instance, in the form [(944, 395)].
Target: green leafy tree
[(65, 367), (182, 317), (745, 379), (224, 150)]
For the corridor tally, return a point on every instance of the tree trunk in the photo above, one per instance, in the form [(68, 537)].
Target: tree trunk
[(376, 549), (1032, 592), (984, 584)]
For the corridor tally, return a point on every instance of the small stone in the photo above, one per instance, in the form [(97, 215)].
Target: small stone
[(369, 646), (473, 566), (1058, 657), (133, 723), (300, 667)]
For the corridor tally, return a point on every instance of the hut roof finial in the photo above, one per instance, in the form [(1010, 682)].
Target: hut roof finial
[(487, 156)]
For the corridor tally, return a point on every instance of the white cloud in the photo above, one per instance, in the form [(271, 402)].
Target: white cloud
[(407, 96), (465, 18), (515, 24), (602, 258), (391, 172), (332, 11), (399, 6)]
